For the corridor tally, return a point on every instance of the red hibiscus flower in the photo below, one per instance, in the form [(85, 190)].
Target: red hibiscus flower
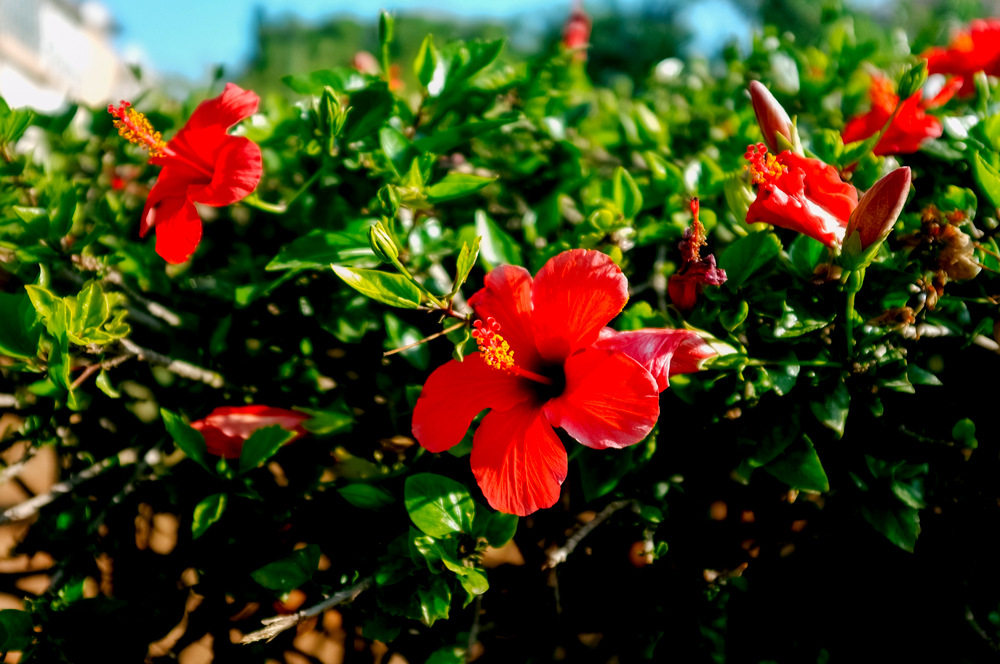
[(201, 164), (555, 366), (911, 125), (802, 194), (973, 50), (227, 428), (576, 32), (696, 272)]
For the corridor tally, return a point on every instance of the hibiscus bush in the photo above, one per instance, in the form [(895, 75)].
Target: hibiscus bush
[(512, 366)]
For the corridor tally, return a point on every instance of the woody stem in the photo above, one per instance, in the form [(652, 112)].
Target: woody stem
[(425, 339), (531, 375)]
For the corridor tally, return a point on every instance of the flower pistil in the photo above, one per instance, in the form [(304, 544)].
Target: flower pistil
[(496, 352), (763, 167), (135, 128)]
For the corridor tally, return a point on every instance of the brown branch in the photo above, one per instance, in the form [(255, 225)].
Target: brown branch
[(179, 367), (278, 624), (93, 368), (562, 553), (425, 339)]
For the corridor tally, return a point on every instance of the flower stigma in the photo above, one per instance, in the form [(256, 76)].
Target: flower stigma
[(135, 128), (763, 167), (496, 352)]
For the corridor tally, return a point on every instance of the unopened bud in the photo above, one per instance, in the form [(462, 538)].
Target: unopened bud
[(383, 246), (912, 80), (773, 120), (331, 113), (388, 198), (386, 27), (873, 219)]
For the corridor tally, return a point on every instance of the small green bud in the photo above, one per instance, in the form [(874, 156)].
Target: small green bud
[(912, 80), (383, 246), (331, 112), (386, 27), (388, 198), (982, 92), (733, 319)]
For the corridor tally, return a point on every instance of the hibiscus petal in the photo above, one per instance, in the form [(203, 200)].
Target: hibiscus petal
[(506, 296), (518, 460), (458, 391), (178, 228), (217, 442), (575, 294), (663, 353), (237, 173), (610, 400), (233, 105), (170, 183), (244, 420)]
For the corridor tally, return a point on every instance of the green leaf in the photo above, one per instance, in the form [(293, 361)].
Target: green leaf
[(626, 193), (601, 470), (852, 152), (317, 249), (900, 526), (335, 418), (207, 512), (460, 338), (443, 142), (400, 334), (768, 438), (497, 247), (499, 529), (19, 330), (832, 410), (397, 148), (104, 384), (438, 505), (466, 261), (291, 571), (805, 254), (747, 255), (435, 600), (369, 110), (426, 61), (799, 467), (988, 179), (341, 79), (386, 287), (456, 185), (918, 376), (16, 630), (188, 439), (366, 496), (447, 655), (263, 444), (964, 433), (380, 628)]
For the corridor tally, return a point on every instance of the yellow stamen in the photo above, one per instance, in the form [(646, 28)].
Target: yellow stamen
[(497, 353), (135, 128)]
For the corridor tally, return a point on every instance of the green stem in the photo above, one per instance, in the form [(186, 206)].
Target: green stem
[(849, 323), (386, 64), (406, 273), (881, 133), (280, 208)]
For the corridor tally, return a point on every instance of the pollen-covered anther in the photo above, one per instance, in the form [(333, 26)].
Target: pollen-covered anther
[(763, 167), (494, 350), (135, 128)]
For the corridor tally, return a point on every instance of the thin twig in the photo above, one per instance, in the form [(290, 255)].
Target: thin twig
[(178, 367), (31, 506), (424, 340), (971, 619), (278, 624), (8, 401), (94, 368), (562, 553), (14, 469), (474, 630)]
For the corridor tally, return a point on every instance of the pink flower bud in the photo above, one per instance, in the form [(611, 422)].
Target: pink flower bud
[(771, 117), (879, 208)]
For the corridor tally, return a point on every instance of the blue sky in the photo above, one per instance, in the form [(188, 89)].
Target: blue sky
[(188, 37)]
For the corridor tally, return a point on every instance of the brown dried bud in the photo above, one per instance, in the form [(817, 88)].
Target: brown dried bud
[(956, 258), (772, 118)]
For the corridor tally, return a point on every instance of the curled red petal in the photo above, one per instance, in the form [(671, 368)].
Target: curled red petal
[(518, 460), (237, 169), (663, 353), (458, 391), (575, 294), (225, 429), (170, 183), (233, 105), (506, 296), (218, 443), (178, 228), (610, 400)]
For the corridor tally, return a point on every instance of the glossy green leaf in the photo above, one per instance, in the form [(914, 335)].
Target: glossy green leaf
[(456, 185), (369, 110), (207, 512), (426, 62), (103, 383), (291, 571), (19, 331), (747, 255), (900, 526), (438, 505), (189, 440), (499, 529), (447, 655), (497, 246), (386, 287), (799, 467), (366, 496), (317, 249), (831, 409), (987, 177), (627, 196), (435, 600), (263, 444), (399, 334), (16, 630), (335, 418), (445, 141), (466, 261), (805, 255), (341, 79)]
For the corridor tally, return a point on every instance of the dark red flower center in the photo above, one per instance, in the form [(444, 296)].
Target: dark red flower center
[(498, 354)]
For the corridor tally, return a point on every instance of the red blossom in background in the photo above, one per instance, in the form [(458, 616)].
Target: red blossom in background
[(695, 273), (973, 50), (556, 365), (202, 163), (911, 125), (227, 428), (800, 194), (576, 32)]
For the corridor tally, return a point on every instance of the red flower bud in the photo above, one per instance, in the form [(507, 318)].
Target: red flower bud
[(576, 32), (879, 208), (227, 428), (771, 117)]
